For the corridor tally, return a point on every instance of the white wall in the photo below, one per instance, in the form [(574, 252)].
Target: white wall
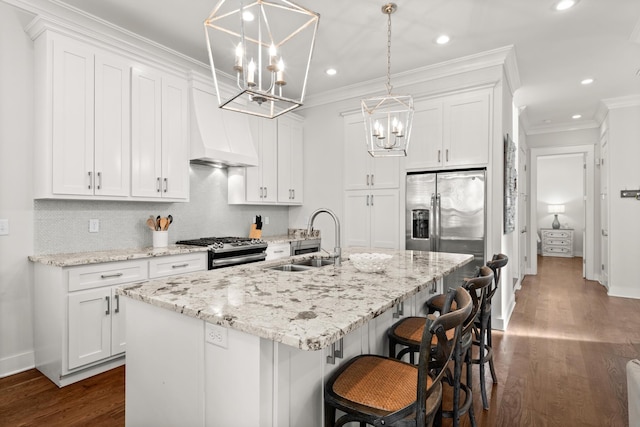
[(16, 196), (561, 182)]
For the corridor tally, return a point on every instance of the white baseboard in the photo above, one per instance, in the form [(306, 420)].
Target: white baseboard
[(615, 291), (16, 363), (501, 323)]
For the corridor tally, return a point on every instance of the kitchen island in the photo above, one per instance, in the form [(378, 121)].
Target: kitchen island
[(252, 346)]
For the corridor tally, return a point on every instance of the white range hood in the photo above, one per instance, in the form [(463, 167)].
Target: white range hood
[(219, 137)]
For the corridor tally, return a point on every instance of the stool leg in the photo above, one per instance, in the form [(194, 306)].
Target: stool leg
[(483, 386), (457, 377), (490, 344), (329, 415)]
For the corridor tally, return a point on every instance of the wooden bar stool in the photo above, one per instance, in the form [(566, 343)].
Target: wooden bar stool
[(406, 331), (381, 391), (483, 329)]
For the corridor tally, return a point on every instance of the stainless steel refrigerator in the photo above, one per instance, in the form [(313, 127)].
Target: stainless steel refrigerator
[(446, 213)]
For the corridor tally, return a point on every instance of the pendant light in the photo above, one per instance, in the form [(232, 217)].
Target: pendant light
[(388, 118), (263, 49)]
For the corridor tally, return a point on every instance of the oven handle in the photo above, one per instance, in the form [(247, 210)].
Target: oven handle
[(238, 259)]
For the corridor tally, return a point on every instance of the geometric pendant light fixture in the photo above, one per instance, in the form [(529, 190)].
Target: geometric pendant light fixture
[(388, 119), (263, 48)]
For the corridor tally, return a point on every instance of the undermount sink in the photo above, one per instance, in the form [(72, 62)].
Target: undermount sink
[(315, 262), (303, 265)]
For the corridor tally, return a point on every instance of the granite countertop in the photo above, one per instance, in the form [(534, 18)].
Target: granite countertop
[(83, 258), (308, 310)]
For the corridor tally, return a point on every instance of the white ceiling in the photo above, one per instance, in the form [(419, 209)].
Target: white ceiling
[(554, 50)]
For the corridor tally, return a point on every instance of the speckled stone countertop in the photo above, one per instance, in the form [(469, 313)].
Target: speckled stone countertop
[(83, 258), (308, 310)]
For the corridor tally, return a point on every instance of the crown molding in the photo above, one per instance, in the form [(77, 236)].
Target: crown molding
[(478, 61), (621, 102), (561, 127)]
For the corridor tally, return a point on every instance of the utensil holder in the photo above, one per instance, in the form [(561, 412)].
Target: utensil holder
[(160, 239)]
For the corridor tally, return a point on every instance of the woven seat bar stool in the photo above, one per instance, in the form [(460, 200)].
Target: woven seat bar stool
[(381, 391), (483, 329), (406, 331)]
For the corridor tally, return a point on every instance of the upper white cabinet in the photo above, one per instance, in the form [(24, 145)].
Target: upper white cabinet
[(107, 126), (452, 131), (159, 152), (290, 161), (362, 171), (278, 178), (83, 120)]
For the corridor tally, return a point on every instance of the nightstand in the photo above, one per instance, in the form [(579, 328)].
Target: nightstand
[(557, 242)]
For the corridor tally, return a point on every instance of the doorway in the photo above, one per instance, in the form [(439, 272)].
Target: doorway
[(585, 179)]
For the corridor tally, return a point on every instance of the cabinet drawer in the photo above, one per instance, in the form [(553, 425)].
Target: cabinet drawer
[(557, 250), (177, 264), (106, 274), (558, 242), (557, 234), (278, 250)]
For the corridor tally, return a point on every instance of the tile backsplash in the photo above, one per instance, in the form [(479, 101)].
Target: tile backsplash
[(62, 226)]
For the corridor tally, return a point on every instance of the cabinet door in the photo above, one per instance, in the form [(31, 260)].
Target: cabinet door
[(466, 129), (112, 126), (118, 320), (357, 162), (297, 163), (385, 219), (73, 124), (269, 160), (175, 138), (425, 146), (89, 326), (357, 212), (146, 133), (290, 161)]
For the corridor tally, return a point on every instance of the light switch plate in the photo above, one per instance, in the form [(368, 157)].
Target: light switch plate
[(4, 227), (94, 225)]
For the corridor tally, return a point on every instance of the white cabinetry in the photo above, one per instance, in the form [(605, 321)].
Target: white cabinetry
[(290, 161), (278, 178), (557, 242), (372, 219), (79, 321), (159, 155), (451, 131), (82, 120), (278, 250)]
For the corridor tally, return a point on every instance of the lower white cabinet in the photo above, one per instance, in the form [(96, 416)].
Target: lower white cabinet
[(79, 321), (278, 250), (557, 242)]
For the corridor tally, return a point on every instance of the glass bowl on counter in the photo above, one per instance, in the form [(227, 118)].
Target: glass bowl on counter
[(370, 262)]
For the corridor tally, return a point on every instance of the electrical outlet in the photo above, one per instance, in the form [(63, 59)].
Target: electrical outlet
[(4, 227), (94, 225), (216, 335), (266, 220)]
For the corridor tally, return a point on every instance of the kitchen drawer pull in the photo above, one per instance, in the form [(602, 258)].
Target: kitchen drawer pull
[(335, 352), (399, 311), (166, 184), (278, 252), (99, 181), (117, 297), (186, 264), (110, 276), (90, 179), (108, 305)]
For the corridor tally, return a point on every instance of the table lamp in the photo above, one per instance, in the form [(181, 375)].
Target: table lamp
[(555, 210)]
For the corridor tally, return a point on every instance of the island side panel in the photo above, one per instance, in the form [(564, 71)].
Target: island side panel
[(165, 367)]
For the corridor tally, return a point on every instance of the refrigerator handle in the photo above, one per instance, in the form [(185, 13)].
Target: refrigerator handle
[(432, 219), (437, 226)]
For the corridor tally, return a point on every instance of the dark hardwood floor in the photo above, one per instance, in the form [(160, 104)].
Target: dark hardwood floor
[(560, 363)]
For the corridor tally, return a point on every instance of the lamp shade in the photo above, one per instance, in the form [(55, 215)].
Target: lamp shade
[(555, 209)]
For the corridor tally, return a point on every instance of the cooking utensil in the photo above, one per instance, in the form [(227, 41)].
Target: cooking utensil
[(158, 223), (164, 223), (151, 223), (170, 218)]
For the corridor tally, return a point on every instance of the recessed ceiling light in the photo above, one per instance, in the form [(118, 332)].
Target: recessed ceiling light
[(443, 39), (576, 116), (247, 16), (565, 4), (331, 71), (587, 81)]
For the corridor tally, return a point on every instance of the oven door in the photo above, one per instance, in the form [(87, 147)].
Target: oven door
[(226, 259), (305, 247)]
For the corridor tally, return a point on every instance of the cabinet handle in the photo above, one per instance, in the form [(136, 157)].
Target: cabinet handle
[(186, 264), (90, 179), (278, 252), (372, 180), (335, 352), (158, 184), (372, 200), (117, 297), (99, 181), (367, 200), (110, 276), (367, 180), (447, 155), (290, 194), (605, 233), (108, 305), (294, 193), (166, 184), (439, 156), (399, 310), (265, 192)]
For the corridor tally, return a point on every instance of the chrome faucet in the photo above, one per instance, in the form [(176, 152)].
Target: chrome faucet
[(337, 252)]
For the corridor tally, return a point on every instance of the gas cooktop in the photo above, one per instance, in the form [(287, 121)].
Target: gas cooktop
[(222, 242)]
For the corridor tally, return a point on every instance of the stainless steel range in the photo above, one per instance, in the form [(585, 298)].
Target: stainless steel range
[(228, 251)]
